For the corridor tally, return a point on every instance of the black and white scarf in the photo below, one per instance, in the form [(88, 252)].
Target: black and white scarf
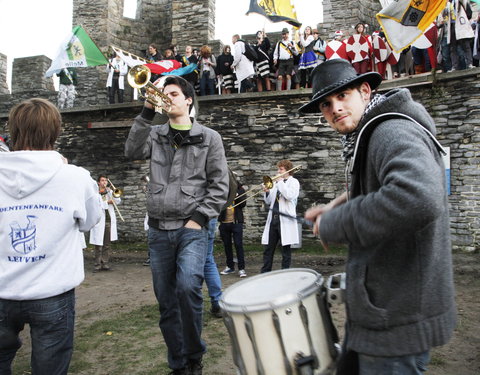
[(349, 140)]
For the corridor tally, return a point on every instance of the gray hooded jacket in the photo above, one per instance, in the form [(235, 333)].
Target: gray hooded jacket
[(400, 293)]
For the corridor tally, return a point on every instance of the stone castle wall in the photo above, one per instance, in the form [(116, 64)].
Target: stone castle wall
[(259, 129), (163, 22), (3, 75), (340, 15)]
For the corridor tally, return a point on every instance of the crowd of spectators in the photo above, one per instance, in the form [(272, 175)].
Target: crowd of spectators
[(287, 63)]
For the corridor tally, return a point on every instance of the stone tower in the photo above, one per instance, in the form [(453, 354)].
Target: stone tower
[(344, 15), (162, 22), (3, 75)]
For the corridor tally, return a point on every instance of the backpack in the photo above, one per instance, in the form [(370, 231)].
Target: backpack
[(232, 188), (250, 52)]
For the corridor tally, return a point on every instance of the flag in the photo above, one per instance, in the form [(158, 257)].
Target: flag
[(275, 11), (404, 21), (78, 51), (182, 71), (129, 58), (163, 66)]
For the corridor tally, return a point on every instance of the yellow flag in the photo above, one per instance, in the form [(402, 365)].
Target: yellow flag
[(404, 21), (275, 11)]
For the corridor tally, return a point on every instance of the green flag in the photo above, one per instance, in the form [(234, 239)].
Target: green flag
[(77, 51)]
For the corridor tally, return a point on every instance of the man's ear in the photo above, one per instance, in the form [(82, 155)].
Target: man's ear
[(365, 91)]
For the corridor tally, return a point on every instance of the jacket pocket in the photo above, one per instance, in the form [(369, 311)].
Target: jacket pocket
[(188, 199), (154, 194), (180, 202), (361, 310)]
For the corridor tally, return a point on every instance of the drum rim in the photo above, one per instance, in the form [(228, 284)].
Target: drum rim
[(266, 306)]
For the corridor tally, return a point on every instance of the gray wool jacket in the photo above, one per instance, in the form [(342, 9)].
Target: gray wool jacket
[(399, 289), (189, 182)]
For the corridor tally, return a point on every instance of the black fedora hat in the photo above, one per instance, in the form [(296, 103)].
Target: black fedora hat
[(335, 75)]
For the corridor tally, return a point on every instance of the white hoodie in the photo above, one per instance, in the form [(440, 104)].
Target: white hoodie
[(44, 205)]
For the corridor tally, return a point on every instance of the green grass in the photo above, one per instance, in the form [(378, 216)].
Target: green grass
[(130, 343)]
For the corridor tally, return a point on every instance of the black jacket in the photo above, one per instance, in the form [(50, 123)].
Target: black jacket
[(238, 210)]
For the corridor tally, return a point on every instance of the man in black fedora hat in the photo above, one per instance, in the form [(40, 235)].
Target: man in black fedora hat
[(394, 218)]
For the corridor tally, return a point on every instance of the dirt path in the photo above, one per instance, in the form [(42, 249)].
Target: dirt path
[(128, 286)]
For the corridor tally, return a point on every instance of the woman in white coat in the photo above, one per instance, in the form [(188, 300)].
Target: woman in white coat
[(106, 230), (117, 69), (282, 198)]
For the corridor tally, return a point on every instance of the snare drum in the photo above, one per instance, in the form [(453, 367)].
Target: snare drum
[(279, 324)]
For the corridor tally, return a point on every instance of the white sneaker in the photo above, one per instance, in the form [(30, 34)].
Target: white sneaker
[(226, 271), (470, 66), (242, 273)]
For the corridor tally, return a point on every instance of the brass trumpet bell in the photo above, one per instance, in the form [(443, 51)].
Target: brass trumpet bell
[(139, 77), (267, 183), (117, 193)]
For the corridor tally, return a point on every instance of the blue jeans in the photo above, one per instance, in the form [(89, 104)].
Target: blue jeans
[(207, 84), (212, 277), (51, 323), (415, 364), (177, 260)]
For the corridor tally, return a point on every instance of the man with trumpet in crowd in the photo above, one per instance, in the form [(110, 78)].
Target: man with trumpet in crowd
[(188, 186), (281, 225), (102, 234)]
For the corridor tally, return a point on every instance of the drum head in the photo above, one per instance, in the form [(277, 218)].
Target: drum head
[(271, 290)]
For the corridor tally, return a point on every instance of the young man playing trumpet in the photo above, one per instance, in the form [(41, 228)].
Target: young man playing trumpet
[(188, 187), (281, 199), (105, 231)]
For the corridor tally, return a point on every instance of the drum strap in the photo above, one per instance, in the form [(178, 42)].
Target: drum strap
[(251, 336), (278, 329)]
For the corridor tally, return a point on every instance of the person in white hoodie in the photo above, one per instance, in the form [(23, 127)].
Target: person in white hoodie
[(281, 220), (242, 66), (45, 204)]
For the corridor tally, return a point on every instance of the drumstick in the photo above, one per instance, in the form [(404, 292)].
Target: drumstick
[(300, 220)]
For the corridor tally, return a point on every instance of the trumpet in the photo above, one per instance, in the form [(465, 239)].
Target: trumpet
[(267, 182), (139, 77), (116, 193)]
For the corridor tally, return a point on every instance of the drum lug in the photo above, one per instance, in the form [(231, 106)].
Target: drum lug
[(304, 365), (336, 288)]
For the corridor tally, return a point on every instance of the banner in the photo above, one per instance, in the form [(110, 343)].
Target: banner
[(403, 21), (77, 51), (275, 11), (129, 58)]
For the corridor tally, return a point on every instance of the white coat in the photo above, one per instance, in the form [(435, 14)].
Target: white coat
[(120, 65), (96, 233), (287, 203), (243, 66)]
